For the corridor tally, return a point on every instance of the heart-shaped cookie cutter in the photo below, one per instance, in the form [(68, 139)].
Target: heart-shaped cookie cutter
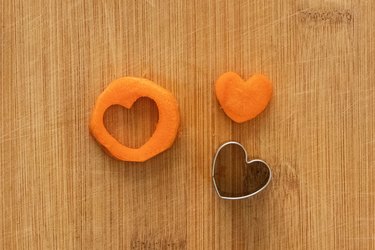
[(248, 162)]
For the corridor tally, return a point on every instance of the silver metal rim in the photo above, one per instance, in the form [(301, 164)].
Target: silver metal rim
[(248, 162)]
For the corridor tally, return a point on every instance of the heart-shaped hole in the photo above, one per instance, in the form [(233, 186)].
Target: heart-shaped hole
[(132, 127), (235, 177)]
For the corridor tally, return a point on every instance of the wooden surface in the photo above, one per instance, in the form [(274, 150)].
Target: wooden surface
[(59, 190)]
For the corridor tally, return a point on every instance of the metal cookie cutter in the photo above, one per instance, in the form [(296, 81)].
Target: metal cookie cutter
[(248, 163)]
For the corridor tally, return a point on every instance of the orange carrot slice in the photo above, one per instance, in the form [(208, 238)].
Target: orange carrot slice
[(125, 91), (243, 100)]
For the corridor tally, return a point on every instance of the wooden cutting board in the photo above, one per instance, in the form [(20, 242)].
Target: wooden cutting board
[(59, 190)]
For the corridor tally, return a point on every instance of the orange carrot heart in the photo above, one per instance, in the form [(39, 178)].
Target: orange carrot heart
[(243, 100), (125, 91)]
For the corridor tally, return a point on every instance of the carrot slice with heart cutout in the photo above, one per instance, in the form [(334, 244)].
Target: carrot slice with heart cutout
[(125, 91)]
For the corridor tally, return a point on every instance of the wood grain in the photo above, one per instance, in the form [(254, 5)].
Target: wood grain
[(59, 190)]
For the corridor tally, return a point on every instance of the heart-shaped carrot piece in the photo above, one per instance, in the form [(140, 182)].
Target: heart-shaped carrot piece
[(243, 100), (125, 91)]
